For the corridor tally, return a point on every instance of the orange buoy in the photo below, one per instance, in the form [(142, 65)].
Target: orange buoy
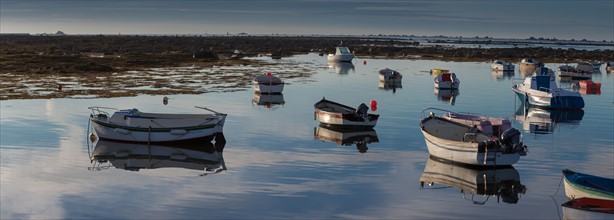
[(373, 105)]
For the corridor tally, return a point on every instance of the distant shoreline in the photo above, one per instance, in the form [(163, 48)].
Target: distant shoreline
[(27, 59)]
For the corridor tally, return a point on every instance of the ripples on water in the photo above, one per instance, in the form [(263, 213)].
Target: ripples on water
[(278, 166)]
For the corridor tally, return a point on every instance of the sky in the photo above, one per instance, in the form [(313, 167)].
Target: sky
[(561, 19)]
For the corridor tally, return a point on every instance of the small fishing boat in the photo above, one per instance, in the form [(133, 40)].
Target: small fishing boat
[(334, 114), (500, 65), (572, 72), (501, 75), (436, 72), (389, 75), (471, 139), (542, 91), (342, 54), (528, 65), (584, 67), (609, 67), (347, 137), (588, 208), (267, 84), (446, 81), (135, 126), (580, 185), (481, 183), (203, 155)]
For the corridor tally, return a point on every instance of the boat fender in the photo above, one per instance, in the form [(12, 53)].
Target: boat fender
[(122, 131), (178, 132)]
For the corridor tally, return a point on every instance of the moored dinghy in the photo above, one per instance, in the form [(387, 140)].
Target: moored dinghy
[(342, 54), (446, 81), (541, 90), (135, 126), (389, 75), (334, 114), (579, 185), (267, 84), (500, 65), (471, 141), (588, 208)]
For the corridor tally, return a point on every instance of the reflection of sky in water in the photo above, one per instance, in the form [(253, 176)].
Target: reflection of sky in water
[(278, 169)]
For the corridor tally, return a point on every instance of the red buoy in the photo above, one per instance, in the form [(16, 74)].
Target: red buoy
[(364, 62), (268, 73), (373, 105)]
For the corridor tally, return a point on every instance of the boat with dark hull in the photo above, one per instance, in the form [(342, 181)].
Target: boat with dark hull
[(331, 113)]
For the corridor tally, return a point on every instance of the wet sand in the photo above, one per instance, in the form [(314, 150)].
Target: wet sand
[(42, 67)]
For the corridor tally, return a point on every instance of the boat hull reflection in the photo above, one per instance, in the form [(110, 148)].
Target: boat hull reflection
[(204, 155), (502, 182), (347, 137), (543, 121), (268, 100), (341, 68), (447, 95), (390, 85)]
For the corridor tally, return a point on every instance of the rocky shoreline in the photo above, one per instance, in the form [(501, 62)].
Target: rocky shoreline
[(31, 61)]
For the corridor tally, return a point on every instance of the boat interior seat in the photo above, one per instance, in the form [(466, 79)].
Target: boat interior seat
[(446, 77)]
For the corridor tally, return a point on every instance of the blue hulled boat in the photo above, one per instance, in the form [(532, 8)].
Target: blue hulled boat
[(541, 90)]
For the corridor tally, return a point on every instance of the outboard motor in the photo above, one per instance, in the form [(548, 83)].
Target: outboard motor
[(510, 139), (362, 110)]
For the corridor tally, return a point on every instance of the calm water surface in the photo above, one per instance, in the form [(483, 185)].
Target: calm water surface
[(279, 164)]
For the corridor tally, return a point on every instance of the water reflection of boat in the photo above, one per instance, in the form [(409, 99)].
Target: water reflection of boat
[(498, 74), (540, 121), (347, 137), (268, 100), (204, 155), (447, 95), (480, 183), (390, 85), (341, 68)]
